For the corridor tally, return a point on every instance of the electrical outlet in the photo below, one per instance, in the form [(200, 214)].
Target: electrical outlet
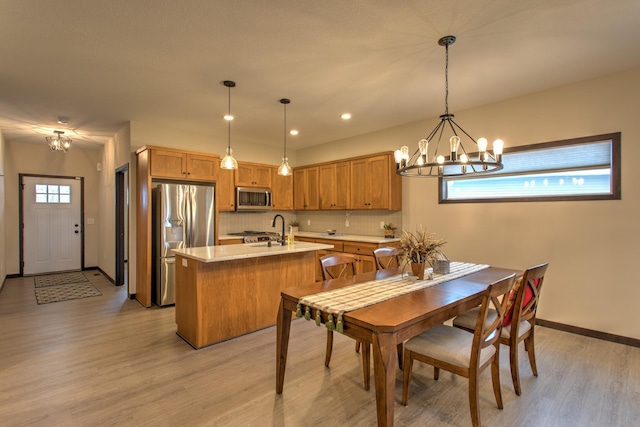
[(308, 222), (346, 222), (381, 225)]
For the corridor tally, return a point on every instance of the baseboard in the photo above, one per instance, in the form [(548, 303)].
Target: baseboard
[(589, 333), (101, 272)]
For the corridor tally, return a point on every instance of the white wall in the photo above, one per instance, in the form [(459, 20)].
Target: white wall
[(29, 158), (591, 245)]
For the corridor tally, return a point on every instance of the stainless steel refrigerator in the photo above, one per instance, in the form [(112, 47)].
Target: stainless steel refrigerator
[(183, 217)]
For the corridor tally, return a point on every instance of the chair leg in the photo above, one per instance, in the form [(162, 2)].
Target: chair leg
[(366, 365), (513, 361), (436, 373), (528, 345), (357, 346), (495, 378), (400, 348), (474, 398), (406, 379), (327, 356)]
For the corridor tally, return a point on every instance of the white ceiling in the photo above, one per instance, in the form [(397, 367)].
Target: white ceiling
[(104, 63)]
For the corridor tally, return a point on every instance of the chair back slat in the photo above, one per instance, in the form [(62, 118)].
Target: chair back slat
[(528, 293), (338, 265), (488, 333), (386, 258)]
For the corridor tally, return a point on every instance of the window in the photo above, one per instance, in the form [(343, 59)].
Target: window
[(53, 193), (575, 169)]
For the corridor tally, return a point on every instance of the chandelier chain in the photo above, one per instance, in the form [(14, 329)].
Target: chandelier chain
[(446, 80)]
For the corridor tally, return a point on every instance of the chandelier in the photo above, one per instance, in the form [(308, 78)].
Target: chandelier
[(228, 161), (58, 142), (428, 161)]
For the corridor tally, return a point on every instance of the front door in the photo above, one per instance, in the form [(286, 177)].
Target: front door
[(52, 227)]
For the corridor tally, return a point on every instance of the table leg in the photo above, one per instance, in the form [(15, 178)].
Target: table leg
[(384, 354), (283, 329)]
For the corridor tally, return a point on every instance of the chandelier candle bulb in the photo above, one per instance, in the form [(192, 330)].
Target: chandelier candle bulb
[(454, 142), (498, 145)]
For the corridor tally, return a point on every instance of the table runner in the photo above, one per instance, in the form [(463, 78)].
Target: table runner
[(337, 302)]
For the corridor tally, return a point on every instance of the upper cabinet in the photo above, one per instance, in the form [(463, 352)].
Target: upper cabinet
[(374, 183), (225, 191), (282, 191), (175, 164), (253, 175), (334, 186), (305, 189)]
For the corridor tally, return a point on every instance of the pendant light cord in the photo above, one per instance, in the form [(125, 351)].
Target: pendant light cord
[(446, 80), (229, 123), (285, 129)]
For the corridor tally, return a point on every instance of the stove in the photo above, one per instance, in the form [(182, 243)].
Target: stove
[(251, 236)]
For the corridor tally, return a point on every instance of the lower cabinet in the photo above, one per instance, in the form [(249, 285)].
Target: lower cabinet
[(362, 251)]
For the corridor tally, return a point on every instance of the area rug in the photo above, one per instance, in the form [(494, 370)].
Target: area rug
[(60, 279), (48, 294)]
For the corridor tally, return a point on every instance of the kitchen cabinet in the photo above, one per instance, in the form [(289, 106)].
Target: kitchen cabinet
[(281, 191), (253, 175), (226, 191), (176, 164), (305, 188), (374, 183), (334, 188), (231, 241)]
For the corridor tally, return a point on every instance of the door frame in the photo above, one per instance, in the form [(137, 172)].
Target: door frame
[(21, 213), (122, 232)]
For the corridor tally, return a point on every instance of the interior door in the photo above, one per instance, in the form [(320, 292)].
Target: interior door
[(52, 227)]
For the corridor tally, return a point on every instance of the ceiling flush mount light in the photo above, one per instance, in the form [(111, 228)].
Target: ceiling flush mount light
[(285, 169), (58, 142), (228, 162), (345, 116), (428, 160)]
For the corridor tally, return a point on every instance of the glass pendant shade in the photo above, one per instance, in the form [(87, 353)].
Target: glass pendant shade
[(285, 169), (228, 161)]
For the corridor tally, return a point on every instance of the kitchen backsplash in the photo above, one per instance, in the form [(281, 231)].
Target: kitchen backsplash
[(365, 223)]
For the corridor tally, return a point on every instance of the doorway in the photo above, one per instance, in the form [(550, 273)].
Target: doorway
[(52, 228), (122, 225)]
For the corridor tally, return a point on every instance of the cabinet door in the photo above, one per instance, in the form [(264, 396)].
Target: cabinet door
[(244, 175), (262, 176), (202, 167), (168, 164), (327, 186), (225, 190), (299, 187), (360, 184), (282, 190), (365, 263), (378, 177), (312, 194), (343, 188)]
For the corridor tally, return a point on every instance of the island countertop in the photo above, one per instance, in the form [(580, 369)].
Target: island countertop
[(252, 250)]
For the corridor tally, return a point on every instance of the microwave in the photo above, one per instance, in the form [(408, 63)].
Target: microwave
[(253, 199)]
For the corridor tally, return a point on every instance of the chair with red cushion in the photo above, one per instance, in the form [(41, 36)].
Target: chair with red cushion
[(519, 321), (461, 353)]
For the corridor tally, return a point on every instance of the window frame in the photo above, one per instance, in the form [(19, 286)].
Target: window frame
[(616, 173)]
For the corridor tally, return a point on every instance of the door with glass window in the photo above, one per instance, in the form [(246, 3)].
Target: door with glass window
[(52, 227)]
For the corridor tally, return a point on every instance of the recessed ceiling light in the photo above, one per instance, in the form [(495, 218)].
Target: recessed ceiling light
[(228, 117), (293, 132), (345, 116), (63, 120)]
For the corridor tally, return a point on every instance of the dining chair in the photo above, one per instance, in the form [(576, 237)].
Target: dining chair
[(464, 354), (386, 258), (520, 319), (334, 266)]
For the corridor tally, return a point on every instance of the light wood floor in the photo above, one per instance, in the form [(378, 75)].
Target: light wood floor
[(106, 361)]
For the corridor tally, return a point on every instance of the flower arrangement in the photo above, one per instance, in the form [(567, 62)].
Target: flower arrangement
[(390, 230), (420, 247), (294, 223)]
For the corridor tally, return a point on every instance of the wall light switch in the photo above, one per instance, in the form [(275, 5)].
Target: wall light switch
[(382, 225), (184, 262), (346, 222), (308, 222)]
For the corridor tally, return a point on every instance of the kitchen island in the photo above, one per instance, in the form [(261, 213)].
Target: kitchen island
[(226, 291)]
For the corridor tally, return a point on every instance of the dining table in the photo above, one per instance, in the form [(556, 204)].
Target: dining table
[(387, 324)]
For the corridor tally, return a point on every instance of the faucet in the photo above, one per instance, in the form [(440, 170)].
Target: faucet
[(273, 224)]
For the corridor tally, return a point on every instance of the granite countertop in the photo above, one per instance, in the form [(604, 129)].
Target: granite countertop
[(249, 250)]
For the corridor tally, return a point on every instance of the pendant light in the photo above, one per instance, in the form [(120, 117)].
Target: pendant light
[(448, 162), (58, 142), (285, 169), (228, 162)]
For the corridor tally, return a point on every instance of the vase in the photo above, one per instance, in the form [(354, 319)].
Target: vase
[(417, 268), (389, 234)]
